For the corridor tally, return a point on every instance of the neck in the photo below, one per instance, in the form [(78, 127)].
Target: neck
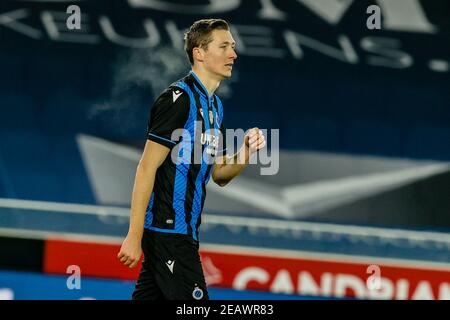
[(210, 82)]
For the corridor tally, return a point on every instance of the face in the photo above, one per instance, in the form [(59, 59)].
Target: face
[(219, 56)]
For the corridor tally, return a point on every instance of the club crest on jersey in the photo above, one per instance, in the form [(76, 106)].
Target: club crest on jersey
[(211, 117), (197, 294)]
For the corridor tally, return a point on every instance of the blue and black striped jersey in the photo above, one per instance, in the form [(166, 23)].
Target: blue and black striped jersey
[(187, 120)]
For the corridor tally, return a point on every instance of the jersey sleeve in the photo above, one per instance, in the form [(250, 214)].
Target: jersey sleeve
[(169, 113)]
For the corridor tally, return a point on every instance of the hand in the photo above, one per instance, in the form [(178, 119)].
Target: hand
[(254, 141), (130, 253)]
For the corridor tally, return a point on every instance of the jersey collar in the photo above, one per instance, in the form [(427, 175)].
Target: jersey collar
[(200, 86)]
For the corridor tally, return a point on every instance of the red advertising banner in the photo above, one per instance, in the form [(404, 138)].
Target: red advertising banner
[(278, 271), (325, 275), (93, 259)]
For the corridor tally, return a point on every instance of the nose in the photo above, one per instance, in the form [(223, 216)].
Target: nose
[(233, 54)]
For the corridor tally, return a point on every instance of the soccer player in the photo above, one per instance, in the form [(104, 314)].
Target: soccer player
[(170, 183)]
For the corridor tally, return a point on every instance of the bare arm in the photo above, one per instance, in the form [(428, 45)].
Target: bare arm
[(228, 167), (153, 156)]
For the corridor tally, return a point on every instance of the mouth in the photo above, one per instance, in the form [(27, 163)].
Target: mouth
[(230, 65)]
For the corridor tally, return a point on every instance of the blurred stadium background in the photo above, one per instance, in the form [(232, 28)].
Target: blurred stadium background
[(364, 119)]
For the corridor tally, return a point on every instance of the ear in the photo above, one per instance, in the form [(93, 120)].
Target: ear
[(197, 53)]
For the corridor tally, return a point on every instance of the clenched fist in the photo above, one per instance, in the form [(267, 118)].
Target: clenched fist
[(254, 140), (130, 253)]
